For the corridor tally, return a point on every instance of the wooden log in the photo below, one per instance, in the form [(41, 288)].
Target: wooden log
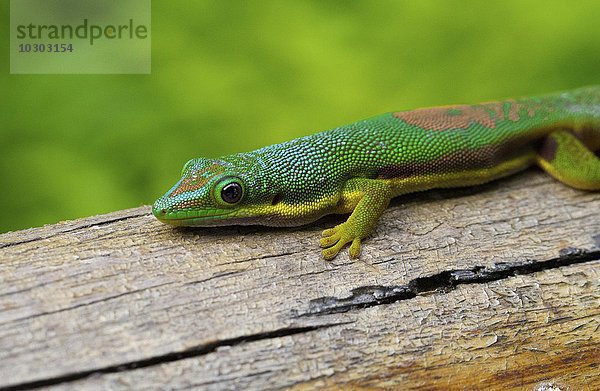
[(494, 287)]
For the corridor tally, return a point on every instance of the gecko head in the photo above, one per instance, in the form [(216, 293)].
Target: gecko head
[(211, 193)]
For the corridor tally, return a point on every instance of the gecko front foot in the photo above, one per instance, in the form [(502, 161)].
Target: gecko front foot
[(334, 239), (367, 199)]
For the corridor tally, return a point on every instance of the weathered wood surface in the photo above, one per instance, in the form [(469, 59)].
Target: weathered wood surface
[(490, 288)]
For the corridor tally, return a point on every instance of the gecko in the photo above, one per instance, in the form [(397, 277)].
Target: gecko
[(358, 168)]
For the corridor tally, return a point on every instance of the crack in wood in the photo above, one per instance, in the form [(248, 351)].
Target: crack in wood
[(78, 227), (261, 257), (195, 351), (446, 281), (92, 302), (214, 276)]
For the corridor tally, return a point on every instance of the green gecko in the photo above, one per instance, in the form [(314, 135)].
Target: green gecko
[(359, 167)]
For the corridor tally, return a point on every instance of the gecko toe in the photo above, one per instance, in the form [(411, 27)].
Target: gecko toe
[(331, 231), (331, 252), (336, 238), (355, 248), (329, 241)]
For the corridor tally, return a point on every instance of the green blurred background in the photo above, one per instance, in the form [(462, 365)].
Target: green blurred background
[(231, 76)]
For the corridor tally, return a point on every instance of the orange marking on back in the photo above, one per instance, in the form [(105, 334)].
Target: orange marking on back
[(515, 108), (462, 116)]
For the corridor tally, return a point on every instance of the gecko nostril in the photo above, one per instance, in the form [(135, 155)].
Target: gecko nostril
[(163, 211)]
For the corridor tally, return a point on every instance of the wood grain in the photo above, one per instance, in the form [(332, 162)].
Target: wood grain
[(494, 287)]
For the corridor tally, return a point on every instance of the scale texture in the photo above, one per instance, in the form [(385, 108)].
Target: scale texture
[(359, 167)]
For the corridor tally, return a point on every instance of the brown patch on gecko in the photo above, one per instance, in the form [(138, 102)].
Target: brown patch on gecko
[(194, 181), (463, 116), (445, 118), (548, 149), (515, 109), (487, 156)]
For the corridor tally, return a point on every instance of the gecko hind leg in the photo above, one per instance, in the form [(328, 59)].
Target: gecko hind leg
[(568, 160)]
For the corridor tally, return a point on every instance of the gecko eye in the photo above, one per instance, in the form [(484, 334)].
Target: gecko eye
[(229, 191)]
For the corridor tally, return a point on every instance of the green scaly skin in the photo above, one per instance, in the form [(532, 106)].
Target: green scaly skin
[(358, 168)]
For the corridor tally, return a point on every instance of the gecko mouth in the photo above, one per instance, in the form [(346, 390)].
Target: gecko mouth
[(189, 217)]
